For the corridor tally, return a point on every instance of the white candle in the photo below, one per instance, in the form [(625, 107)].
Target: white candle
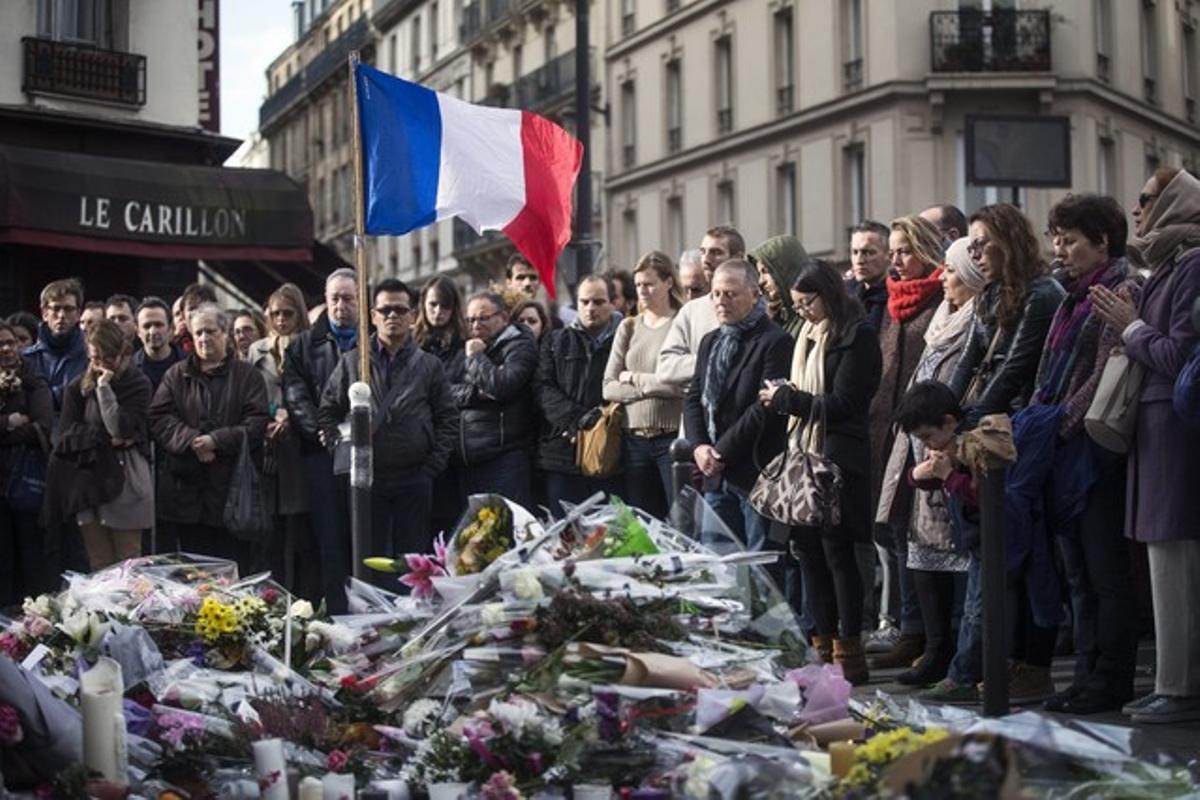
[(270, 769), (337, 787), (104, 748), (396, 789), (311, 789)]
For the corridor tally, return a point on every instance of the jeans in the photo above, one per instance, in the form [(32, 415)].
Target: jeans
[(867, 558), (328, 500), (400, 519), (573, 488), (735, 511), (647, 477), (967, 667), (507, 474)]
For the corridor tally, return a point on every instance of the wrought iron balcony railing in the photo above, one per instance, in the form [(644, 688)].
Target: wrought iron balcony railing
[(330, 61), (80, 70), (1003, 40)]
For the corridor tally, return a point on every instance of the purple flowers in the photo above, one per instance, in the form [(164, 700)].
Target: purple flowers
[(423, 569)]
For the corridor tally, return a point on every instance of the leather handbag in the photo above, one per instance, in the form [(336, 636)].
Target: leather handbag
[(1111, 419), (598, 448), (798, 487), (246, 514)]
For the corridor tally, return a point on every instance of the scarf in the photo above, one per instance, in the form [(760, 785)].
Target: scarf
[(808, 375), (345, 338), (906, 299), (599, 340), (1068, 321), (721, 358), (1173, 224), (948, 324), (10, 380)]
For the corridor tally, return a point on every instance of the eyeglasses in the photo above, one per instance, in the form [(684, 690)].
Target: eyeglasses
[(481, 320), (393, 311), (808, 301), (1145, 197), (57, 309)]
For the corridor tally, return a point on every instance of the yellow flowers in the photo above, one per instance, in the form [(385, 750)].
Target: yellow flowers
[(884, 748), (483, 541), (216, 619)]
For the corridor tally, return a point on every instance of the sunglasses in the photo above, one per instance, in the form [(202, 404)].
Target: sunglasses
[(393, 311)]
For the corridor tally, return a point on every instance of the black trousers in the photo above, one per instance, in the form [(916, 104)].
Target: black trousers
[(400, 512), (212, 540), (23, 568), (832, 583), (936, 595)]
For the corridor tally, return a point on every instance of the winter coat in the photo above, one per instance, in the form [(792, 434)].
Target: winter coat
[(58, 362), (227, 403), (449, 350), (783, 256), (495, 397), (747, 436), (852, 368), (569, 384), (286, 493), (873, 299), (33, 400), (413, 417), (310, 359)]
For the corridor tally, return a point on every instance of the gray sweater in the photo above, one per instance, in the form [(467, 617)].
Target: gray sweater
[(650, 403)]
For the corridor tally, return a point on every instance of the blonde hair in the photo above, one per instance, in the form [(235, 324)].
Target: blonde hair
[(664, 268), (924, 238), (289, 294)]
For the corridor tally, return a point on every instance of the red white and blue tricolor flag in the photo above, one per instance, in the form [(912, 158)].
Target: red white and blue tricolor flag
[(428, 156)]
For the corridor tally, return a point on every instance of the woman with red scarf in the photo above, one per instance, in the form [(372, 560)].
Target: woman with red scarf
[(914, 292)]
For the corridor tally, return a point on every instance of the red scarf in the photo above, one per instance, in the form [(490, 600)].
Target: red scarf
[(906, 299)]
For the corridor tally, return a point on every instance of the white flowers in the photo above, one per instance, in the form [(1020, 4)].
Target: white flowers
[(38, 606), (699, 774), (492, 614), (522, 718), (302, 609), (84, 627), (421, 716), (340, 638), (411, 649), (526, 586)]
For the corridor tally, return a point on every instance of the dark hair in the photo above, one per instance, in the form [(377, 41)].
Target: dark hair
[(927, 403), (393, 285), (197, 294), (538, 309), (732, 236), (23, 319), (1096, 216), (513, 260), (623, 277), (257, 317), (594, 278), (495, 298), (1014, 244), (819, 277), (447, 291), (121, 300), (873, 226), (952, 217), (93, 305), (150, 301)]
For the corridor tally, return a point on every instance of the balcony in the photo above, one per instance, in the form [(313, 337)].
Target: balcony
[(549, 83), (724, 120), (852, 75), (785, 100), (329, 62), (480, 16), (82, 71), (1103, 67), (1003, 40)]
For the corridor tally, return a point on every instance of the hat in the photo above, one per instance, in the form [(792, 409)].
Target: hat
[(965, 266)]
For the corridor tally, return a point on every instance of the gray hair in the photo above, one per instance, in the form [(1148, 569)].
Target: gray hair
[(743, 269), (341, 272), (691, 257), (209, 311)]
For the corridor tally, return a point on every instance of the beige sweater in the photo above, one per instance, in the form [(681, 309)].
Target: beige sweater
[(649, 403)]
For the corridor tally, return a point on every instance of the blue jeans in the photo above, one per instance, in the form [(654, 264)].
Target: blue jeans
[(735, 511), (648, 473), (507, 474), (967, 667), (330, 515)]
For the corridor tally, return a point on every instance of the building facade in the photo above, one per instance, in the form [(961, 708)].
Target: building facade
[(806, 116)]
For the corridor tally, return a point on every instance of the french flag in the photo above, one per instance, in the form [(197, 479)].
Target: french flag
[(428, 156)]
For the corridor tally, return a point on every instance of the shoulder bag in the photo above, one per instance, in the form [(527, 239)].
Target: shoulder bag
[(245, 512), (800, 488), (1111, 419), (598, 448)]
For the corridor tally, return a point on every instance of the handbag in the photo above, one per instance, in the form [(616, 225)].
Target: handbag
[(245, 512), (1111, 419), (27, 480), (801, 488), (598, 448)]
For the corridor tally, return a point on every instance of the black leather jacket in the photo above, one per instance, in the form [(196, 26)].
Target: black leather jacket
[(1007, 377), (494, 395), (570, 382), (309, 361)]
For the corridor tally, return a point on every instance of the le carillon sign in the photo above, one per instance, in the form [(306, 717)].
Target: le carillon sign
[(74, 201)]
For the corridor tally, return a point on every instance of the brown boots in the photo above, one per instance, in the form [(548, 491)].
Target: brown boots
[(849, 653), (824, 647), (910, 647)]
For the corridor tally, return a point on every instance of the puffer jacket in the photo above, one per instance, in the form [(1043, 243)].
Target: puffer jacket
[(58, 361), (495, 397), (226, 403), (414, 422), (309, 361), (783, 256), (1007, 377), (570, 383)]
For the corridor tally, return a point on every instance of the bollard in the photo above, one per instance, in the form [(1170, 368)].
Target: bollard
[(681, 476), (993, 579), (360, 478)]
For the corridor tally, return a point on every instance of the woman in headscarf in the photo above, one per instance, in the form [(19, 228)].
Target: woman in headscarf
[(778, 261)]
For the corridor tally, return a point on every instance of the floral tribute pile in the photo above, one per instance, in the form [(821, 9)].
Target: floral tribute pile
[(604, 655)]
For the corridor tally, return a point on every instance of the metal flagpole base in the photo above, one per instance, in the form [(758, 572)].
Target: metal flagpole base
[(360, 478)]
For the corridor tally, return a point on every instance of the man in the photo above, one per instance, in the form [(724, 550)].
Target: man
[(157, 354), (120, 308), (307, 365), (625, 301), (522, 277), (414, 423), (723, 419), (949, 220), (570, 381), (93, 312), (677, 358), (869, 264), (59, 354), (497, 412), (693, 282)]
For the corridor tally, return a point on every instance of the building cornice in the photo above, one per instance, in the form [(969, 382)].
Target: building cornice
[(654, 32)]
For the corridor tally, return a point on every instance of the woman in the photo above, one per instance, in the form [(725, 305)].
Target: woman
[(532, 315), (441, 331), (249, 326), (652, 408), (26, 414), (914, 294), (1163, 504), (109, 402), (835, 371), (290, 553), (778, 261), (24, 326), (996, 375), (205, 408), (932, 561)]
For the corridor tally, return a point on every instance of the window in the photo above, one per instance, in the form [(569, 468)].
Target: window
[(675, 224), (1191, 73), (518, 56), (628, 18), (416, 253), (346, 118), (673, 5), (336, 206), (392, 53), (785, 63), (724, 84), (1153, 162), (1103, 15), (726, 212), (1149, 52), (433, 31), (786, 203), (434, 253), (674, 107), (415, 51), (852, 44), (628, 124), (319, 204), (489, 76), (88, 21), (338, 112), (856, 184), (629, 223), (551, 45), (1106, 167)]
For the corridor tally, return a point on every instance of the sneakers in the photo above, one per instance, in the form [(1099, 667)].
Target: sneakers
[(948, 692), (882, 639), (1028, 684), (1134, 706), (1168, 710)]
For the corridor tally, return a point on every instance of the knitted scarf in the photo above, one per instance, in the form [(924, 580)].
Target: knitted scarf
[(808, 375), (344, 337), (906, 299), (1068, 321), (720, 360)]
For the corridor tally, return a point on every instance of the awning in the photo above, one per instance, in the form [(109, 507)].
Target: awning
[(151, 209)]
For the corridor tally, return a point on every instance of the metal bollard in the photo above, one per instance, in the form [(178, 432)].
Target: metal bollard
[(993, 579), (681, 477), (361, 469)]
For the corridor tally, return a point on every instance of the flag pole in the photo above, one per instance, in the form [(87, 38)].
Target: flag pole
[(360, 391)]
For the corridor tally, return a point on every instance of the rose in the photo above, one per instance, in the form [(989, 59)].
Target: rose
[(526, 586), (302, 609), (336, 761), (492, 614)]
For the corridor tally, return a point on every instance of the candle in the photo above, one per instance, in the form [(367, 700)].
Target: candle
[(311, 789), (104, 748), (396, 788), (337, 787), (841, 756), (270, 769)]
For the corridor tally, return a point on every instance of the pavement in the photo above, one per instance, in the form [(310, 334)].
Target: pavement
[(1181, 741)]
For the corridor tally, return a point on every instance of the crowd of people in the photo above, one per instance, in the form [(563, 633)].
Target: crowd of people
[(142, 416)]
